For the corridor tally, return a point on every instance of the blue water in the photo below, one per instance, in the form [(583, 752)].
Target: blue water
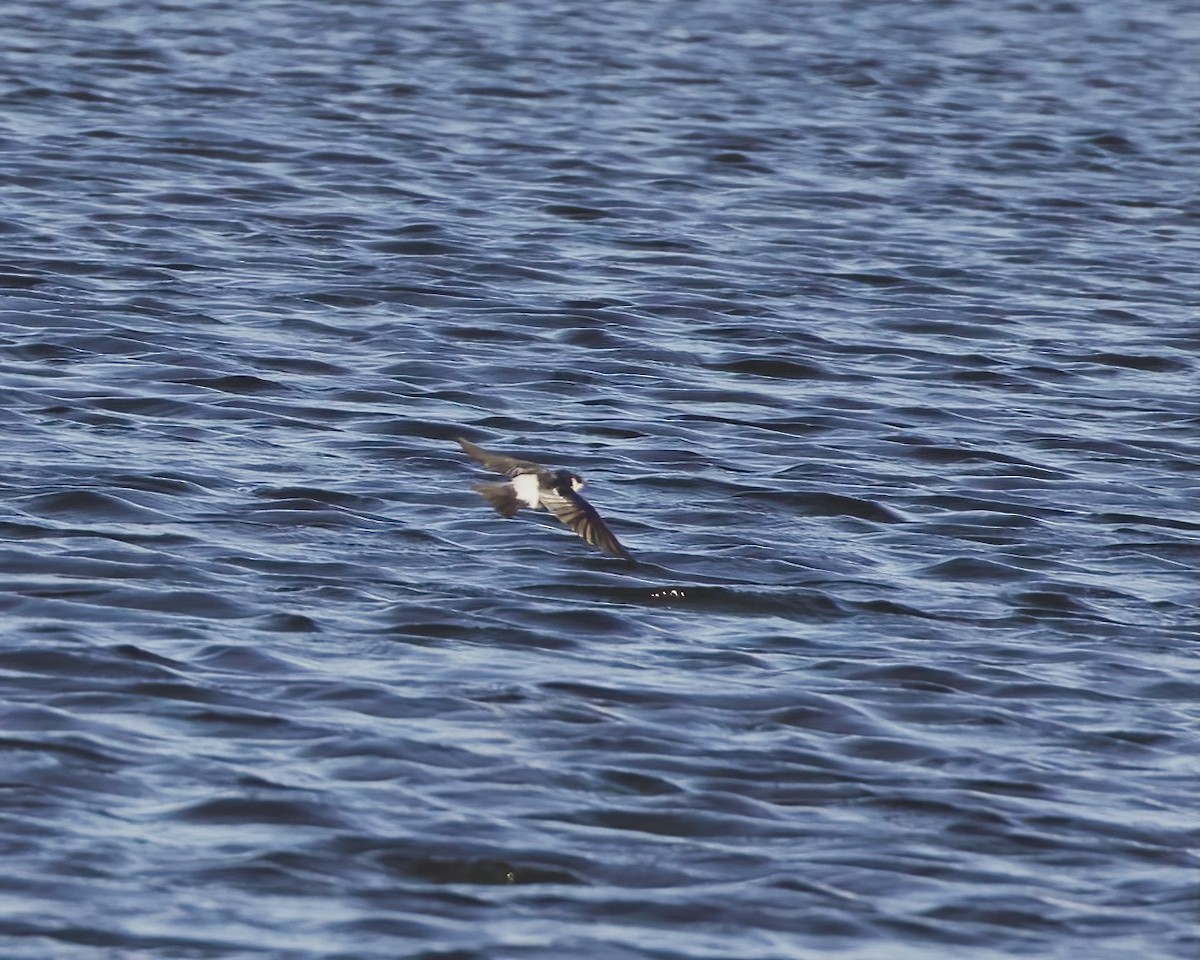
[(874, 330)]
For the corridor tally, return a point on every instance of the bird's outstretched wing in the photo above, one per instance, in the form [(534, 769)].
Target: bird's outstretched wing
[(582, 517), (498, 462)]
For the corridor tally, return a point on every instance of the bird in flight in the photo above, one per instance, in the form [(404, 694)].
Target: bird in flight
[(532, 485)]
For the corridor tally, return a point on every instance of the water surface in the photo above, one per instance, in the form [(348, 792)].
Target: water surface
[(873, 329)]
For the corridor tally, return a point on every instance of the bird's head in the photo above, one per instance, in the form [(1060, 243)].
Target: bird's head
[(565, 478)]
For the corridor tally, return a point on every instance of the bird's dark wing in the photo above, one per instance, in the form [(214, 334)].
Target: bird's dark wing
[(501, 496), (582, 517), (498, 462)]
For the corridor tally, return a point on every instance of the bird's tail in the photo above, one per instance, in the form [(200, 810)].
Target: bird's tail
[(499, 495)]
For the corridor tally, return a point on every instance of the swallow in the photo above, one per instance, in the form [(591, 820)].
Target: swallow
[(532, 485)]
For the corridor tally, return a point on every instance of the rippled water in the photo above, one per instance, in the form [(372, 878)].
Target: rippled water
[(872, 326)]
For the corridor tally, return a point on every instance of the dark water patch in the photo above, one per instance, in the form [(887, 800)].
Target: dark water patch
[(1052, 603), (18, 281), (105, 602), (96, 936), (936, 453), (391, 929), (1136, 521), (1147, 362), (772, 367), (155, 407), (838, 505), (894, 608), (888, 750), (30, 573), (406, 248), (237, 384), (146, 693), (236, 723), (70, 664), (806, 603), (427, 866), (485, 334), (36, 532), (915, 676), (374, 700), (371, 754), (288, 623), (974, 568), (573, 212), (247, 810), (78, 752), (826, 714), (304, 366), (432, 631), (240, 659), (177, 485)]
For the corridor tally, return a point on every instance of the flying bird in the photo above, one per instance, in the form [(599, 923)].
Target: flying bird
[(532, 485)]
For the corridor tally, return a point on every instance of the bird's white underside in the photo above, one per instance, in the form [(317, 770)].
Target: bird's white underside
[(525, 486)]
